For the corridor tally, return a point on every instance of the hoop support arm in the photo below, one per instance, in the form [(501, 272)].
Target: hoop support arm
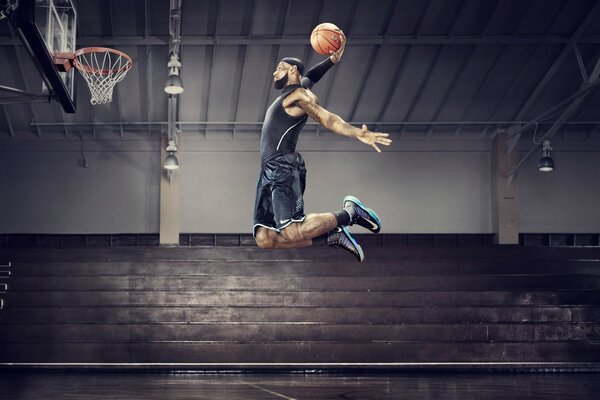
[(63, 61)]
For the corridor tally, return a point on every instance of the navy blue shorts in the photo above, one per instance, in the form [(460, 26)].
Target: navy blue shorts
[(279, 192)]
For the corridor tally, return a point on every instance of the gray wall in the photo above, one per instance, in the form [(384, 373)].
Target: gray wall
[(417, 186), (566, 200), (44, 190), (411, 189)]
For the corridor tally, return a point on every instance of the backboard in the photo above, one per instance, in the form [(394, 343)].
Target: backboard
[(47, 26)]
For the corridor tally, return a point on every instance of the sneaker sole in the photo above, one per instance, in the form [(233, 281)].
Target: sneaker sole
[(367, 209), (355, 243)]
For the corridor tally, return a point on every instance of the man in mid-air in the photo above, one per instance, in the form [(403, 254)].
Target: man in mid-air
[(279, 220)]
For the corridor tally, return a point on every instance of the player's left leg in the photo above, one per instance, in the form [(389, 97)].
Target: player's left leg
[(297, 234), (301, 234)]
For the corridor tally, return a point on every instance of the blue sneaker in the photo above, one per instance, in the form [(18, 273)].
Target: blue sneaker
[(363, 216), (343, 239)]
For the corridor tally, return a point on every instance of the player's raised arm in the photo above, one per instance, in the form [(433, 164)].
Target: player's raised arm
[(307, 101), (314, 74)]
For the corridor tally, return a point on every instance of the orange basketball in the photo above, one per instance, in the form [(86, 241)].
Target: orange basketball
[(326, 38)]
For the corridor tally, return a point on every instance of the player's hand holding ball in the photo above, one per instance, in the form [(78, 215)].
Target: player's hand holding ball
[(326, 39)]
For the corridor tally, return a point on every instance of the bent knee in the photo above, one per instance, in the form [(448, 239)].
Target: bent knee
[(291, 233), (263, 239)]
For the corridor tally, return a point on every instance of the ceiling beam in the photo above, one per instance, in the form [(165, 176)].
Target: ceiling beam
[(393, 127), (250, 123), (359, 40)]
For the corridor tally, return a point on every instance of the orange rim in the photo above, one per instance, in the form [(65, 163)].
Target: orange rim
[(91, 70)]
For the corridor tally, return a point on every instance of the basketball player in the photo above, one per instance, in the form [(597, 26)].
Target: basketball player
[(279, 220)]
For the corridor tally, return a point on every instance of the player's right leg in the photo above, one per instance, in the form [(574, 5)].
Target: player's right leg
[(361, 214)]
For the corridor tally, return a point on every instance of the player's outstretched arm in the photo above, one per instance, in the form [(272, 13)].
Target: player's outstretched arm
[(307, 101)]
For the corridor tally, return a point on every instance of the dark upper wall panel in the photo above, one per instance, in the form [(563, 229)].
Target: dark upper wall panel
[(130, 17), (559, 88), (540, 17), (508, 17), (267, 16), (468, 83), (369, 20), (347, 81), (391, 81), (540, 60), (198, 18), (572, 15), (301, 18), (414, 72), (407, 16), (473, 17), (589, 111), (158, 16), (378, 83), (93, 18), (254, 86), (338, 12), (506, 69), (433, 94), (440, 16), (196, 80), (232, 13)]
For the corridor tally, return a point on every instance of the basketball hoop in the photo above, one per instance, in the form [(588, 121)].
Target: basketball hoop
[(101, 67)]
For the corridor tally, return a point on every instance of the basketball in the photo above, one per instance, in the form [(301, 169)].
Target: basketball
[(326, 38)]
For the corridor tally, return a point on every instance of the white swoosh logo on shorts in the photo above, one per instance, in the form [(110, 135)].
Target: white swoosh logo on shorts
[(283, 221)]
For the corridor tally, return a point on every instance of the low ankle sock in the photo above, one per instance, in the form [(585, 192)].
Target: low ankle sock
[(343, 217)]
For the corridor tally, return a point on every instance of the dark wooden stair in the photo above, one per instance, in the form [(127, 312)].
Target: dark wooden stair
[(242, 307)]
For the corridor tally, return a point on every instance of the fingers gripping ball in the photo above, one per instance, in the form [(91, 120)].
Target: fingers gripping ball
[(326, 38)]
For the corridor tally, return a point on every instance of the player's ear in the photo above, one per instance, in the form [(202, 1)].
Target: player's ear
[(293, 69)]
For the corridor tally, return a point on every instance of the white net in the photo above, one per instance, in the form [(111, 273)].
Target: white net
[(102, 69)]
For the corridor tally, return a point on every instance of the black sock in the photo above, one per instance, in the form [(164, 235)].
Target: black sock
[(351, 211), (321, 240), (343, 217)]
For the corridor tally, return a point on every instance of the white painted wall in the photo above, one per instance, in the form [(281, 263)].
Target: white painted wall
[(415, 186)]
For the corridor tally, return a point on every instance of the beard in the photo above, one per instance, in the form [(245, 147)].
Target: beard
[(280, 83)]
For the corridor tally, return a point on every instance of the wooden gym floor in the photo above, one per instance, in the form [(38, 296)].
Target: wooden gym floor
[(29, 385)]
